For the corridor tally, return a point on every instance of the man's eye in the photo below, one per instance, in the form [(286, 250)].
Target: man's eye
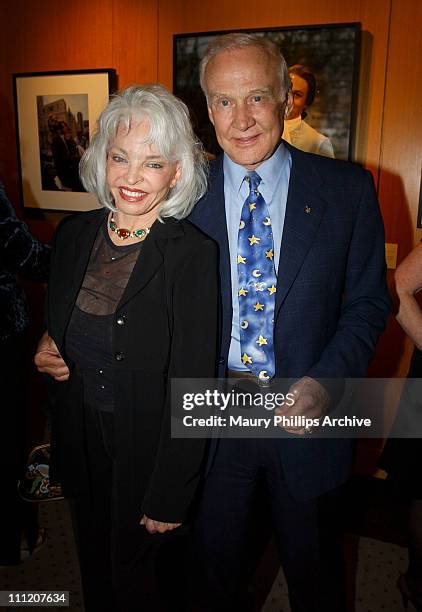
[(256, 98), (224, 102)]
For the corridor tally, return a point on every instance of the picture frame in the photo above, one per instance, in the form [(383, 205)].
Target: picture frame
[(330, 51), (56, 114)]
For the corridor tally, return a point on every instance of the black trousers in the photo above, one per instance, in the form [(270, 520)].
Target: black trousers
[(308, 533), (123, 567), (17, 517)]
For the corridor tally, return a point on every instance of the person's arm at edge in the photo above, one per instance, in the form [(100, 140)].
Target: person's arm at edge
[(408, 283)]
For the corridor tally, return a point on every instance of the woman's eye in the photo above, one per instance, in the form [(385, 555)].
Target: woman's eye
[(118, 158), (155, 165)]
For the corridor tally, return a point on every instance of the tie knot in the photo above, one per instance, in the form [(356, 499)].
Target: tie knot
[(254, 179)]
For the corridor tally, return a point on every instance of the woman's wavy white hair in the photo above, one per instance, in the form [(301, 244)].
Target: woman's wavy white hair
[(170, 132)]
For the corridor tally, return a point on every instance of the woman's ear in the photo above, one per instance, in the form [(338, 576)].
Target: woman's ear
[(176, 177)]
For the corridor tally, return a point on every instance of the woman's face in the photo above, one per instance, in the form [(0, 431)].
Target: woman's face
[(138, 177), (299, 93)]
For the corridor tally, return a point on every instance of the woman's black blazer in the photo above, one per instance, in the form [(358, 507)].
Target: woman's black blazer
[(165, 327)]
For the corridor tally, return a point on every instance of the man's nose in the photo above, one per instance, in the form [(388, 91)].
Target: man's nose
[(242, 118)]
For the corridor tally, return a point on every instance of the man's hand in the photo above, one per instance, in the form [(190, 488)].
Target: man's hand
[(49, 361), (156, 526), (311, 401)]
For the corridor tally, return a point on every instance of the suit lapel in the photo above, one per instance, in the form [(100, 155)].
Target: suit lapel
[(210, 216), (304, 211)]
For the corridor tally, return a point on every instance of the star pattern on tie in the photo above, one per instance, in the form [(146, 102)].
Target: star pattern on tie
[(256, 276)]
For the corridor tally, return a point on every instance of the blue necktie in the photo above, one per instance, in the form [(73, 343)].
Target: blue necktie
[(257, 284)]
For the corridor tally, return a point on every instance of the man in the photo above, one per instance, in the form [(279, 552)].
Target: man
[(330, 305), (323, 303)]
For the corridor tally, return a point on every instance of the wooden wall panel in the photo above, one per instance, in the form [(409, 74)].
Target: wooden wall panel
[(135, 40), (401, 151), (401, 155)]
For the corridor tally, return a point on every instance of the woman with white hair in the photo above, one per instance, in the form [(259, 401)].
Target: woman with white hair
[(132, 303)]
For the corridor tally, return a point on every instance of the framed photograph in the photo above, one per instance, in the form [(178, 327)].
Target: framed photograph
[(56, 113), (330, 52)]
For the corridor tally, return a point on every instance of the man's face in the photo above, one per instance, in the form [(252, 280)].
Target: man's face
[(245, 104)]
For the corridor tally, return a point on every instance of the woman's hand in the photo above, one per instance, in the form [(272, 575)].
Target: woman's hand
[(48, 359), (157, 526)]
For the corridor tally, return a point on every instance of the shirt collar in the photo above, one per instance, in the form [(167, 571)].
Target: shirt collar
[(269, 171)]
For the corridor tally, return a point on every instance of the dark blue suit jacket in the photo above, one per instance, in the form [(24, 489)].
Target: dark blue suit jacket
[(332, 300)]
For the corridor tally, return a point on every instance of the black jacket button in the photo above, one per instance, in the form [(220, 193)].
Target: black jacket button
[(221, 361), (120, 321), (119, 356)]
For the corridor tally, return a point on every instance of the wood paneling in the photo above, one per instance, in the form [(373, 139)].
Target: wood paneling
[(135, 40), (401, 150), (401, 156)]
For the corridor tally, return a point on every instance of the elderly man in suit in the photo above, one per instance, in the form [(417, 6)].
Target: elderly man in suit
[(315, 235)]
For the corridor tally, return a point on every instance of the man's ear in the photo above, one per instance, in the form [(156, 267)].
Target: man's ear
[(289, 104), (210, 114)]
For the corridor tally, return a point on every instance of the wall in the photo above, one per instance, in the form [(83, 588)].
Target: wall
[(135, 38), (119, 34)]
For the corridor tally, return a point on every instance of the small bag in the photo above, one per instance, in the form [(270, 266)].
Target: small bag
[(35, 485)]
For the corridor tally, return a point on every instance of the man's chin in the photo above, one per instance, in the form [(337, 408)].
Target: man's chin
[(246, 159)]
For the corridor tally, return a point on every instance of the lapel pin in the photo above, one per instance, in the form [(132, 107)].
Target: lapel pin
[(307, 209)]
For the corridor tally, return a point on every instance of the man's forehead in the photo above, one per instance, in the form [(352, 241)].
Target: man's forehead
[(248, 68)]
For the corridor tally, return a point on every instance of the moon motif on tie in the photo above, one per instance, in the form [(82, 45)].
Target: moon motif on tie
[(267, 221), (244, 325), (256, 273), (242, 225), (263, 375)]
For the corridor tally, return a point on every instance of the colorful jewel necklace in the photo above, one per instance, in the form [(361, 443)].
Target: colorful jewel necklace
[(123, 233)]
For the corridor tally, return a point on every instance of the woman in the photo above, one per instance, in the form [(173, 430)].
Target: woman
[(299, 133), (132, 303), (402, 455)]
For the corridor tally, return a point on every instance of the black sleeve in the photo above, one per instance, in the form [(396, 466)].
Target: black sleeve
[(22, 253), (177, 470)]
